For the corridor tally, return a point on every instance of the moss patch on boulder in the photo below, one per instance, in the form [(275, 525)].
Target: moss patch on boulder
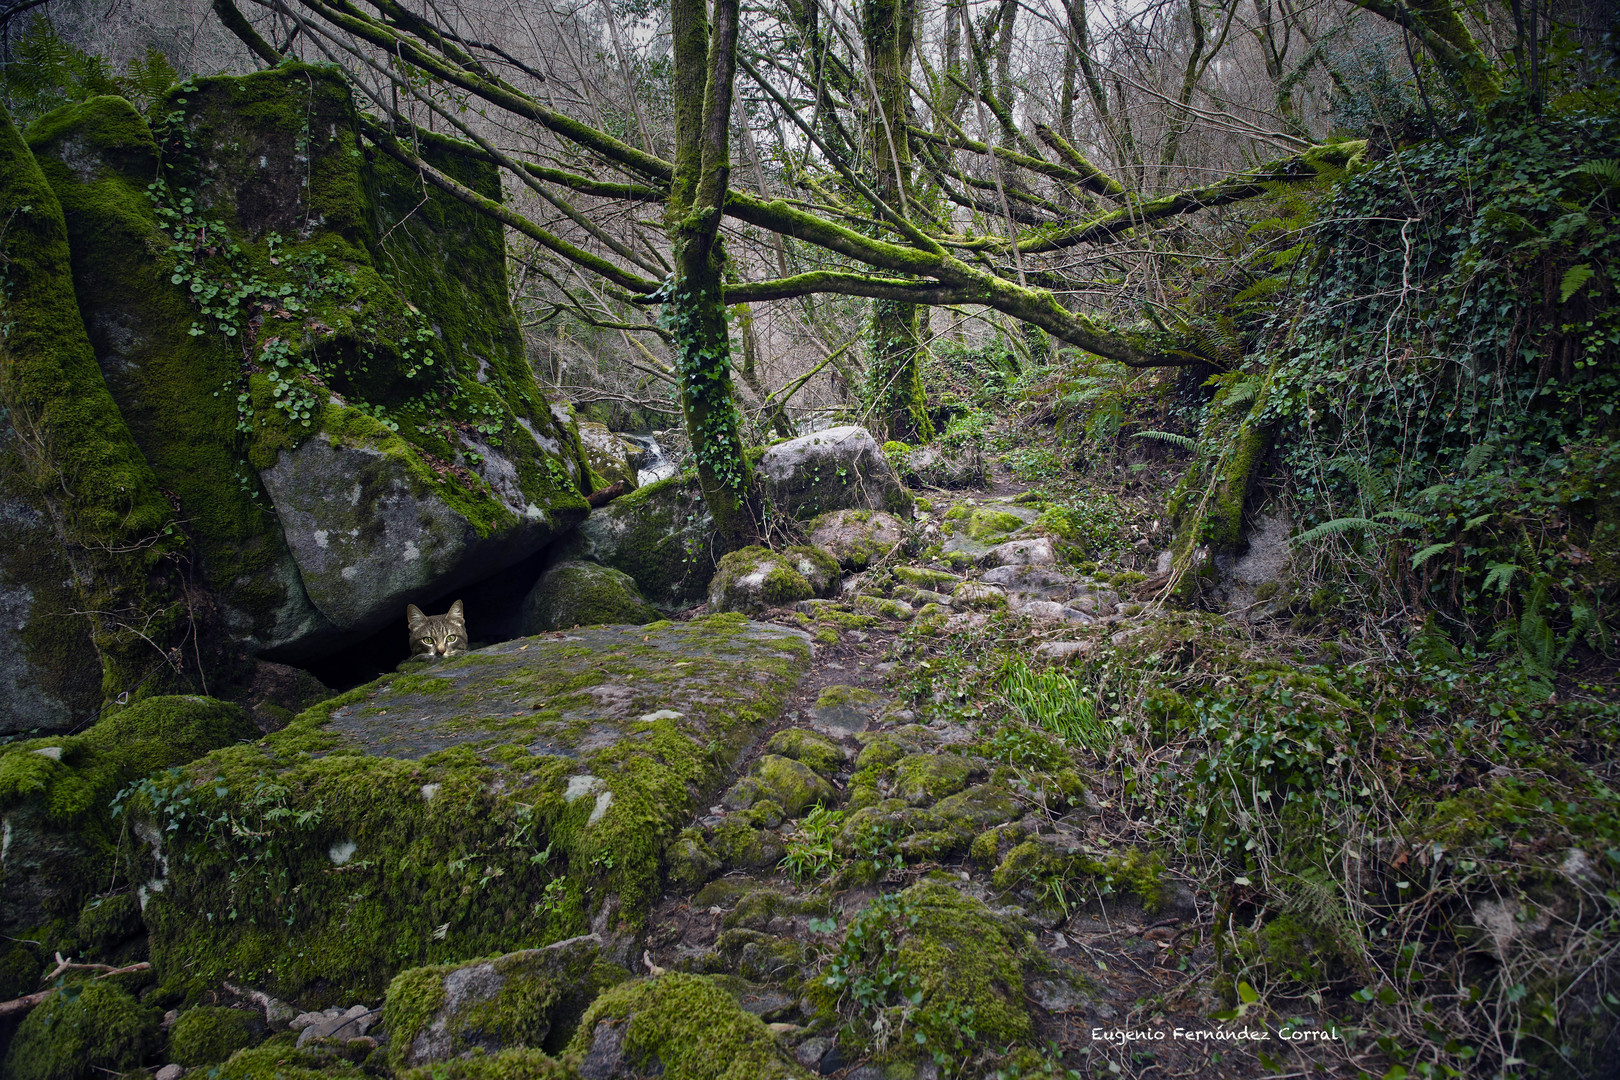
[(791, 785), (208, 1034), (684, 1027), (56, 795), (755, 579), (78, 1036)]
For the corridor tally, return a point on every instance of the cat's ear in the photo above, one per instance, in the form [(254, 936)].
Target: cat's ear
[(455, 610), (414, 616)]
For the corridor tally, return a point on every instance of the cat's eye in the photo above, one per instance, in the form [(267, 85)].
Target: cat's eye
[(449, 639)]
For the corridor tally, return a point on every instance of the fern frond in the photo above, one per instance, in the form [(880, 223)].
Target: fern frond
[(1170, 437), (1404, 517), (1500, 576), (1336, 527), (1477, 455), (1574, 279), (1430, 552), (1605, 170)]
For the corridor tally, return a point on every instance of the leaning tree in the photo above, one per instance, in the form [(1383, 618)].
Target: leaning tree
[(878, 214)]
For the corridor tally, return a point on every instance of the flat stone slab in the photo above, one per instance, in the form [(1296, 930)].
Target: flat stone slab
[(566, 693), (501, 800)]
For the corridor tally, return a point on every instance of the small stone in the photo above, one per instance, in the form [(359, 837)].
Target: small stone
[(810, 1052), (1033, 552), (972, 595), (1063, 651), (169, 1072)]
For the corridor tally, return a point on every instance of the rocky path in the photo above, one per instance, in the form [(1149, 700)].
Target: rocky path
[(1115, 977)]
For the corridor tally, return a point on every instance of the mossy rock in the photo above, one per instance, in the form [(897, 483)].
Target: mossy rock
[(56, 667), (949, 827), (838, 468), (689, 862), (791, 785), (273, 1061), (923, 578), (942, 467), (973, 596), (532, 998), (1292, 948), (519, 1064), (496, 801), (755, 579), (812, 748), (208, 1034), (922, 779), (19, 972), (857, 538), (583, 594), (107, 922), (662, 535), (742, 845), (1031, 868), (987, 526), (56, 795), (396, 444), (80, 1036), (681, 1027), (610, 457)]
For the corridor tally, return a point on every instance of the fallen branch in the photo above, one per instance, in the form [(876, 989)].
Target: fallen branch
[(23, 1004)]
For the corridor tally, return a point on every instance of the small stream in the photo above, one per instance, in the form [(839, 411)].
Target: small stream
[(653, 465)]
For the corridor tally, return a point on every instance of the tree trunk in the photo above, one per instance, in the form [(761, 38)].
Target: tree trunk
[(899, 407), (694, 307)]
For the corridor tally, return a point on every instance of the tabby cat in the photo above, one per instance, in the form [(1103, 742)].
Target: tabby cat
[(436, 635)]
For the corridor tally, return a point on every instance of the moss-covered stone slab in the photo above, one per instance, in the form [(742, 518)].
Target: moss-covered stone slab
[(791, 785), (575, 593), (839, 468), (845, 710), (494, 802)]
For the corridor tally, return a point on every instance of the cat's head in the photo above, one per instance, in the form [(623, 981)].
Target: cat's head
[(436, 635)]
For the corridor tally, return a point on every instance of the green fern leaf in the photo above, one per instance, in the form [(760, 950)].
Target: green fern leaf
[(1500, 576), (1336, 527), (1430, 552), (1170, 437), (1574, 278)]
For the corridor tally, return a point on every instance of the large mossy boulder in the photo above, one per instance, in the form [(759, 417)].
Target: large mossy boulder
[(497, 801), (84, 529), (755, 579), (857, 538), (347, 424), (56, 796), (840, 468), (662, 535), (583, 594)]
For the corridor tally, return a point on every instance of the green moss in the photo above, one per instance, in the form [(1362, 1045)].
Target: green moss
[(207, 1034), (689, 861), (923, 779), (19, 973), (984, 525), (756, 909), (923, 578), (964, 958), (1035, 869), (284, 1062), (504, 822), (585, 594), (118, 520), (60, 803), (692, 1027), (846, 620), (107, 922), (887, 609), (77, 1038), (814, 749), (753, 579), (792, 785), (413, 997), (742, 845)]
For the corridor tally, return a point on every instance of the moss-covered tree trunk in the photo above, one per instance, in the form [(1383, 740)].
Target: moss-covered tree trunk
[(899, 406), (694, 309)]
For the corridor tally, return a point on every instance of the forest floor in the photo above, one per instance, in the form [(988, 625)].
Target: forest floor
[(1129, 989)]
